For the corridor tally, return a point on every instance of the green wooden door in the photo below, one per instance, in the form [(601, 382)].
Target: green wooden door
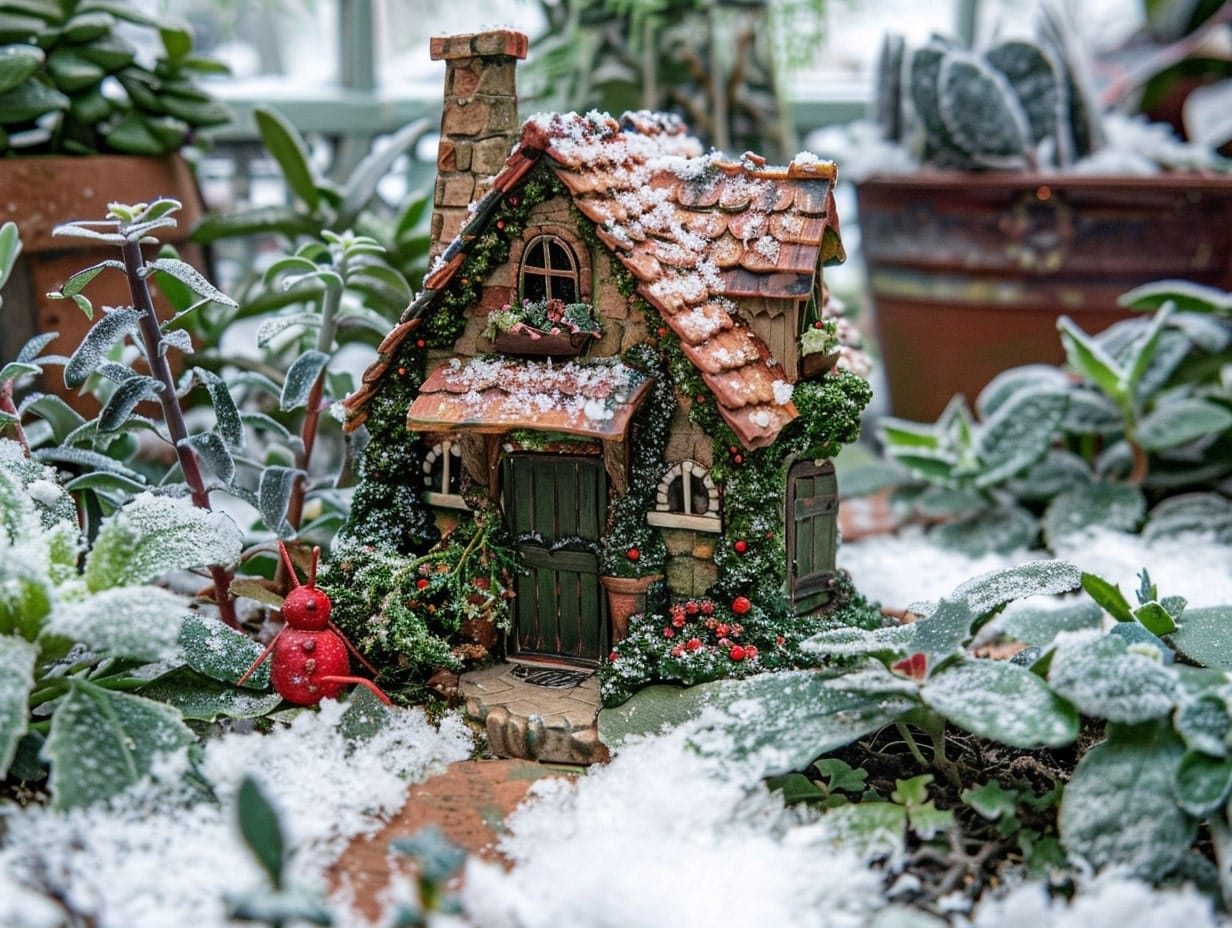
[(812, 533), (557, 506)]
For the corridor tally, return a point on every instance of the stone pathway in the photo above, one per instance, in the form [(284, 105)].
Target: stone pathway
[(468, 802), (553, 724)]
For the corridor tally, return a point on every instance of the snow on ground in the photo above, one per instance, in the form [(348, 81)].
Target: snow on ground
[(154, 860), (897, 570)]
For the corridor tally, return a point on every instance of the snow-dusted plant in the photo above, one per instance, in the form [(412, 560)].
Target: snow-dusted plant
[(74, 642), (1142, 417), (1160, 768), (536, 318)]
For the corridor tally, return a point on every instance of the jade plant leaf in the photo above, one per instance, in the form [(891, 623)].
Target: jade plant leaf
[(103, 742), (1104, 679), (999, 700), (154, 535), (17, 658), (1118, 807)]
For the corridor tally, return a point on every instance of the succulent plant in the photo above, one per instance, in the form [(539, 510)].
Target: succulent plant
[(72, 83), (1015, 104)]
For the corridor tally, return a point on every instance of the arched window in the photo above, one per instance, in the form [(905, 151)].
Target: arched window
[(687, 498), (549, 271), (442, 475)]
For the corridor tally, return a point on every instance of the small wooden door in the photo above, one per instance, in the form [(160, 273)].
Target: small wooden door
[(812, 533), (557, 506)]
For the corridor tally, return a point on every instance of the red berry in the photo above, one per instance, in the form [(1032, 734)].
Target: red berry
[(421, 583), (741, 605), (633, 554), (819, 324), (678, 621), (669, 632), (739, 459), (741, 546), (678, 650), (736, 653), (707, 607), (693, 644), (750, 651), (613, 656), (691, 607)]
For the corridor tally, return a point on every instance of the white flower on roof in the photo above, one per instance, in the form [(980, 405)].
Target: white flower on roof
[(783, 392)]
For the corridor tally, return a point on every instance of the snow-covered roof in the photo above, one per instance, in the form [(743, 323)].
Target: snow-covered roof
[(698, 231)]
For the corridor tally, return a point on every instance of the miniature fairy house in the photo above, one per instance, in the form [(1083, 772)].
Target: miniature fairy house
[(616, 345)]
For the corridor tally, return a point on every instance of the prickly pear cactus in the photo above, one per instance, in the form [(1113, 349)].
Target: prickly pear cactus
[(1016, 104)]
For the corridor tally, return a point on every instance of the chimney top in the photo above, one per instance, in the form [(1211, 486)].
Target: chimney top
[(498, 42)]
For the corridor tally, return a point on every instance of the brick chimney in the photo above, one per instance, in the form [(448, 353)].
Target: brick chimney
[(479, 122)]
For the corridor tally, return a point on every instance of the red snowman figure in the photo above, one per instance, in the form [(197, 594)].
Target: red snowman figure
[(310, 660)]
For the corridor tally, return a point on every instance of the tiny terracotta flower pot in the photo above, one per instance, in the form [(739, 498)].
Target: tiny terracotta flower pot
[(626, 597)]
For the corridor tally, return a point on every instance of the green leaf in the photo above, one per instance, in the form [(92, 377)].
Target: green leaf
[(796, 787), (1156, 618), (842, 776), (1203, 783), (17, 657), (274, 495), (1108, 596), (1018, 434), (31, 99), (1002, 701), (995, 529), (991, 800), (1104, 679), (221, 653), (154, 535), (17, 62), (791, 718), (287, 147), (226, 413), (1142, 352), (261, 829), (1117, 506), (1203, 724), (265, 220), (141, 622), (87, 459), (991, 591), (198, 698), (1118, 808), (1090, 360), (124, 400), (870, 829), (10, 248), (1190, 513), (1205, 636), (112, 327), (888, 643), (103, 742), (211, 448), (943, 631), (1039, 625), (301, 377), (1188, 297), (190, 277), (1180, 421), (362, 184)]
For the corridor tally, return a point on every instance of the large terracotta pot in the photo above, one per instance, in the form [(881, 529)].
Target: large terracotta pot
[(39, 193), (969, 272), (626, 597)]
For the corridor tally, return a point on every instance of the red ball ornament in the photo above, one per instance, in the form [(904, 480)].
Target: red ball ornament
[(741, 546), (741, 605), (736, 653), (633, 554), (421, 583)]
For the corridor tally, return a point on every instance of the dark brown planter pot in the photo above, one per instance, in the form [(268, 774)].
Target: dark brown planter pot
[(969, 272), (41, 193), (817, 363), (546, 344), (626, 597)]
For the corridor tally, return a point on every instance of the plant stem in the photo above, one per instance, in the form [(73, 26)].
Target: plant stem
[(909, 740), (331, 301), (7, 405), (173, 414)]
